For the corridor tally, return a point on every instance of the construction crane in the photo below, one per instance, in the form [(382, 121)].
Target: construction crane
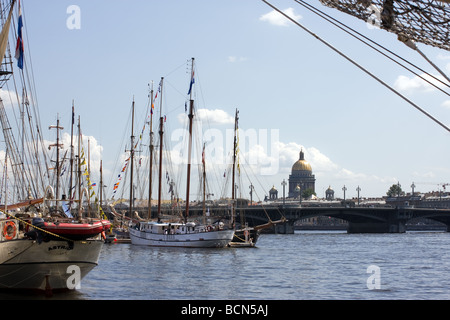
[(439, 184)]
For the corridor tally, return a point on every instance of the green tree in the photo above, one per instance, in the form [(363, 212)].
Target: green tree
[(395, 190), (306, 194)]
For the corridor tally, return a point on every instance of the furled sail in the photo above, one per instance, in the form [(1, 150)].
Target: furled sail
[(425, 21), (4, 33)]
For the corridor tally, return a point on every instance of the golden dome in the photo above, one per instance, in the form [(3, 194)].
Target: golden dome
[(301, 164)]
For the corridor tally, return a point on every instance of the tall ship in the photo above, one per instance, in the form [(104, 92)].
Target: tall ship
[(45, 245), (181, 233)]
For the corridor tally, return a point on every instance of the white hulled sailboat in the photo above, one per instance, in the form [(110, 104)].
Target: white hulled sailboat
[(180, 234)]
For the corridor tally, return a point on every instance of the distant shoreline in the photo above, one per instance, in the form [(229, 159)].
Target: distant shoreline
[(344, 228)]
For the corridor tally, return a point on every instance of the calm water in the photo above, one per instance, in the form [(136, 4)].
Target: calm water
[(305, 265)]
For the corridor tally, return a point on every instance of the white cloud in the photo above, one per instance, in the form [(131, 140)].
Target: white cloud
[(215, 116), (321, 162), (405, 84), (278, 19), (9, 98), (211, 117), (288, 154), (95, 149)]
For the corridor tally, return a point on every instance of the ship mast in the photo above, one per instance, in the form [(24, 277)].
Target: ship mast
[(191, 116), (79, 169), (132, 160), (71, 157), (161, 133), (58, 146), (233, 196), (204, 183), (151, 157)]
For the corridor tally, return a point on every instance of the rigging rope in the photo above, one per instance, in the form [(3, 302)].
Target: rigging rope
[(358, 65), (349, 30)]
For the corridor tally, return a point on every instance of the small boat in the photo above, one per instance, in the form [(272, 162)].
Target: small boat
[(247, 236), (244, 238), (118, 235), (73, 230)]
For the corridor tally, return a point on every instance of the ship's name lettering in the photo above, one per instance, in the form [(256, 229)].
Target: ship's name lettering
[(56, 247)]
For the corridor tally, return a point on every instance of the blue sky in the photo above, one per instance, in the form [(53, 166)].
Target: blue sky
[(290, 89)]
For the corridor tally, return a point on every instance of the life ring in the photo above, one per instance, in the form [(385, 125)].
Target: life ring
[(7, 233)]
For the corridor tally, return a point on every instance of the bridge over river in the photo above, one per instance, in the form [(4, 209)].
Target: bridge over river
[(360, 219)]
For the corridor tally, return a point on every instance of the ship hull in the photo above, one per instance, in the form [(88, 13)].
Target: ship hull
[(46, 266), (213, 239)]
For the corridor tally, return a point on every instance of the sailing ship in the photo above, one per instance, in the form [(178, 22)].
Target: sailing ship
[(48, 255), (182, 233), (245, 236)]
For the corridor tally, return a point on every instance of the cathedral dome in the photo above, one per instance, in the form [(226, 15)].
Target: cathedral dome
[(301, 164)]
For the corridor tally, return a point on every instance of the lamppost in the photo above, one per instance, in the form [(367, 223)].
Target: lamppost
[(284, 186), (344, 189), (358, 189), (251, 193)]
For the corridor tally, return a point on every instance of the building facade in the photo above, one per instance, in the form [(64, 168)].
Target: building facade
[(301, 177)]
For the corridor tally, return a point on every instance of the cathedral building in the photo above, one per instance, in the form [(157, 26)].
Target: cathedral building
[(301, 177)]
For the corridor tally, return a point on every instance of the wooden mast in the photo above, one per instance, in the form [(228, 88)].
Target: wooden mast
[(101, 188), (233, 196), (204, 183), (71, 157), (57, 145), (161, 133), (130, 212), (80, 203), (191, 116), (151, 157)]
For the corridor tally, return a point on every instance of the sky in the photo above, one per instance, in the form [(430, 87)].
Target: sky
[(293, 93)]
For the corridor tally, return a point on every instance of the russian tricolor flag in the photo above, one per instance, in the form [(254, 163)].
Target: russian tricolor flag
[(19, 46), (192, 82)]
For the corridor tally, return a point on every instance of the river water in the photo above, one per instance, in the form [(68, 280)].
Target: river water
[(307, 265)]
